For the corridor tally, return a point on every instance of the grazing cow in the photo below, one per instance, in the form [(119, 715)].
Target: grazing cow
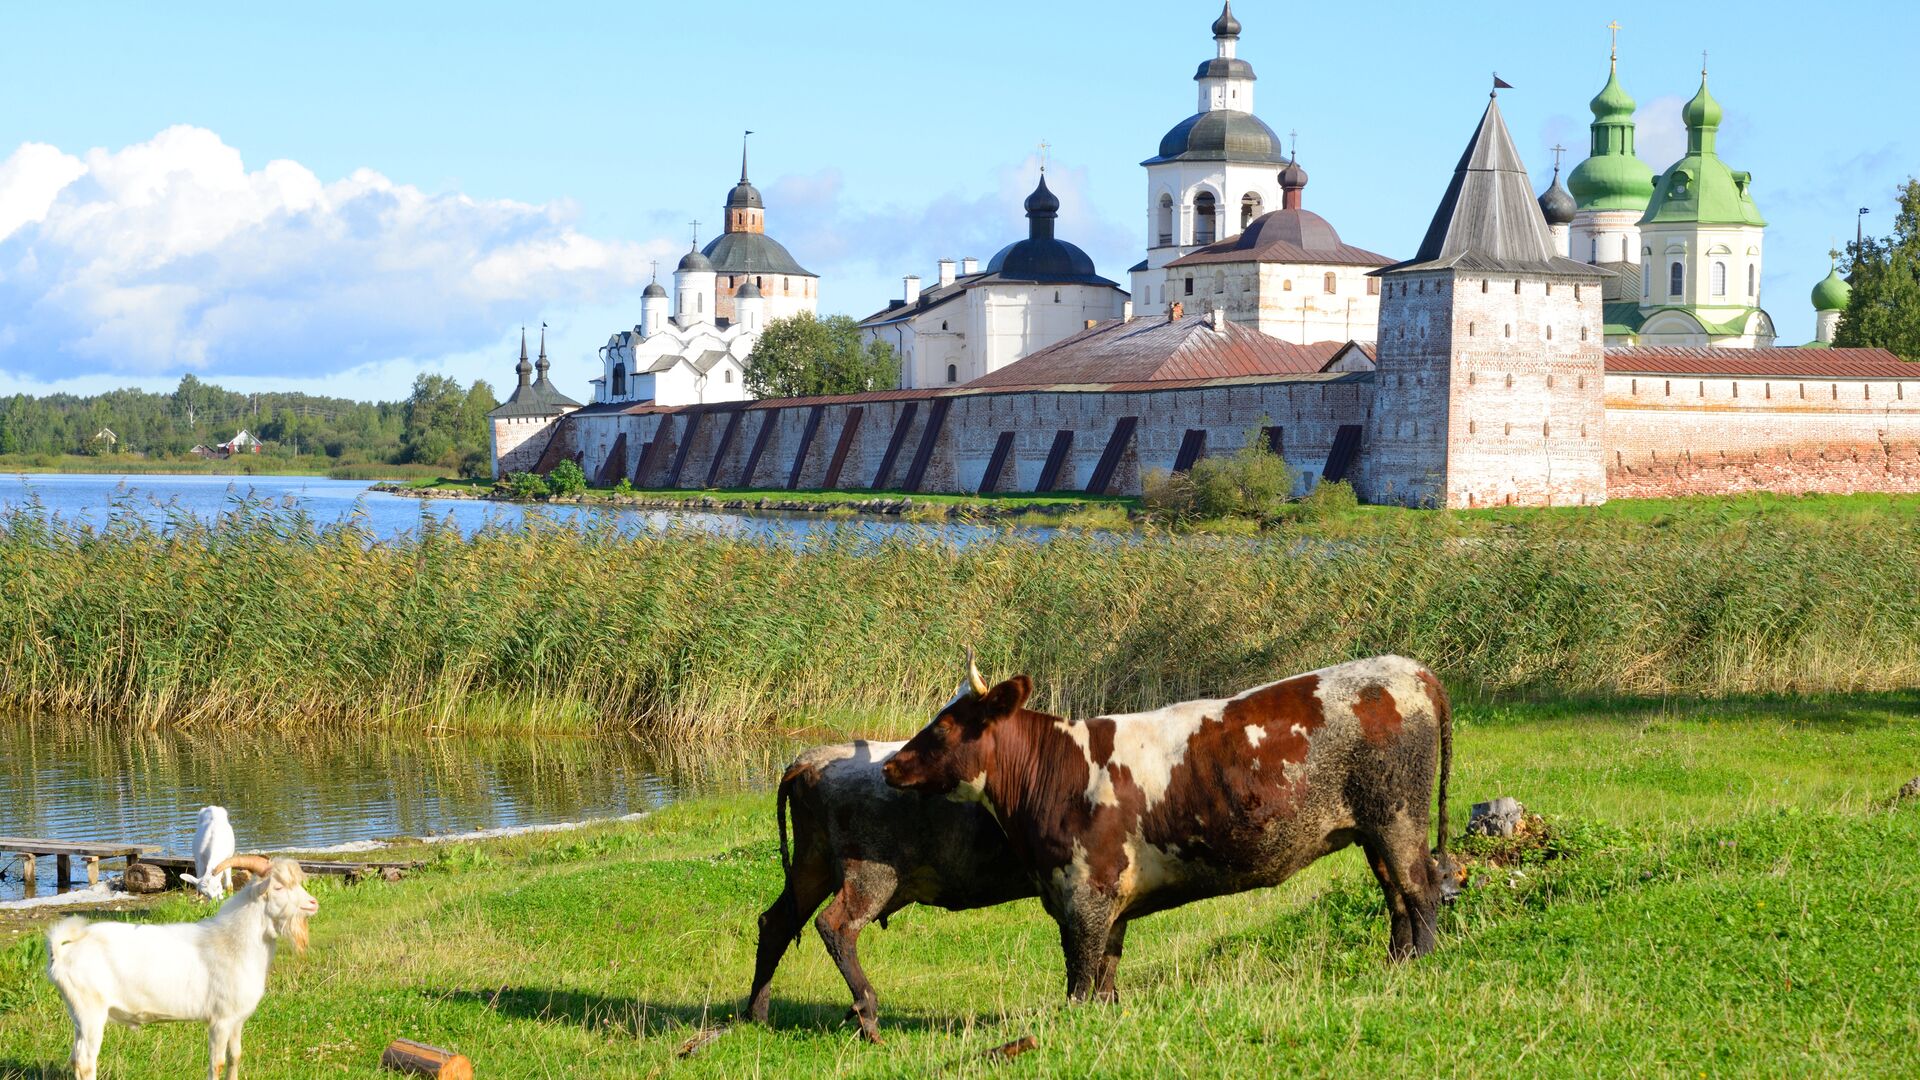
[(874, 849), (1122, 816)]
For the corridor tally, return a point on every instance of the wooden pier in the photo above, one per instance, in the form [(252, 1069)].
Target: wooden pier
[(31, 851)]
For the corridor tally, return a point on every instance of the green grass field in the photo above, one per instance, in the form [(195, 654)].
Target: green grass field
[(1734, 897)]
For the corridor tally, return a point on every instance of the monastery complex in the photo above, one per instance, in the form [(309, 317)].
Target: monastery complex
[(1602, 339)]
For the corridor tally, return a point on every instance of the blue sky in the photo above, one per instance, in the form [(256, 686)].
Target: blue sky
[(337, 197)]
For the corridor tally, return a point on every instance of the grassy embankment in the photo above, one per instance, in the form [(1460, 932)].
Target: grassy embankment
[(239, 465), (1048, 508), (1735, 900), (261, 620)]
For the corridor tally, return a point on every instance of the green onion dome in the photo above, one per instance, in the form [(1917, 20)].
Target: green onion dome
[(1832, 293), (1702, 111), (1612, 177)]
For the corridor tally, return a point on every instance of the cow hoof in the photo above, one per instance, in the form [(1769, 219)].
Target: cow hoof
[(871, 1033)]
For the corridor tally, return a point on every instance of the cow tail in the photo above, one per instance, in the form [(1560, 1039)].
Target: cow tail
[(1443, 709), (780, 798)]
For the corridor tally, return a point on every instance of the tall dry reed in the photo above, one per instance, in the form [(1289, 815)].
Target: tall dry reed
[(264, 618)]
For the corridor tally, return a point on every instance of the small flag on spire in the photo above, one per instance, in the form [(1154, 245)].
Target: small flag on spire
[(1500, 83)]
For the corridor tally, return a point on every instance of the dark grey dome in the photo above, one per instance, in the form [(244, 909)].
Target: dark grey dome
[(653, 289), (1223, 67), (752, 253), (1557, 203), (696, 261), (1226, 25), (1041, 259), (744, 195), (747, 291), (1043, 200), (1293, 176), (1221, 135)]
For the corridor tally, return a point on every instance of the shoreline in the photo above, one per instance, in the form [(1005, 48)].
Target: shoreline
[(879, 506)]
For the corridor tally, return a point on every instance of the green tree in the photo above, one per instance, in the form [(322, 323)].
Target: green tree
[(803, 356), (433, 419), (567, 478), (1884, 310)]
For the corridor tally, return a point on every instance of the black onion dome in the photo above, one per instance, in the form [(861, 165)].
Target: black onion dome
[(1226, 25), (1221, 135), (1043, 200), (744, 195), (653, 289), (752, 253), (1293, 176), (1556, 203), (696, 262)]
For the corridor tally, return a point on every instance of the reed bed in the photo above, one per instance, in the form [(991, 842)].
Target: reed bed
[(264, 618)]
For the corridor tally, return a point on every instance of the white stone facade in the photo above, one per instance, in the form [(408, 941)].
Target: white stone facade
[(1717, 273), (985, 327), (1297, 302)]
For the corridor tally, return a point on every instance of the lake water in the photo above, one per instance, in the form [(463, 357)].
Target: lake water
[(93, 498), (87, 781)]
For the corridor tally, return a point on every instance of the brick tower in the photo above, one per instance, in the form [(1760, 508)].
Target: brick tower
[(1490, 380)]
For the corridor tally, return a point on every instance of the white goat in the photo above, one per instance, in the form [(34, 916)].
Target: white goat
[(213, 970), (212, 845)]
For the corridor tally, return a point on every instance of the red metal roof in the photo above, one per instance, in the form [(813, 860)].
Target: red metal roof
[(1781, 362), (1156, 350)]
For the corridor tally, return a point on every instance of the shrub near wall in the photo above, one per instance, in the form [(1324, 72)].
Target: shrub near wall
[(262, 619)]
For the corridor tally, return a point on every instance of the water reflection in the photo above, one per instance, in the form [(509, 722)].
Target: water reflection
[(85, 781)]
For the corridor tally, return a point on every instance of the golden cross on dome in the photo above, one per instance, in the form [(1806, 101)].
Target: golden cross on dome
[(1615, 27), (1557, 151), (695, 224), (1044, 147)]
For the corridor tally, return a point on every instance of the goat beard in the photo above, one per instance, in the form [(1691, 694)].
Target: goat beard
[(294, 931)]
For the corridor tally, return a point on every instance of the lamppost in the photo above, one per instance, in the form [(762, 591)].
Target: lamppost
[(1859, 234)]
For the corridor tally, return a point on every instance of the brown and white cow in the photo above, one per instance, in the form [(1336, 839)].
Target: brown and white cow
[(875, 849), (1121, 816)]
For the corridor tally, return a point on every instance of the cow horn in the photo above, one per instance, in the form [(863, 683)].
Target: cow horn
[(257, 865), (975, 680)]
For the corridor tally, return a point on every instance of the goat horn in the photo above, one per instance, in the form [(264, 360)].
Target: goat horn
[(974, 679), (257, 865)]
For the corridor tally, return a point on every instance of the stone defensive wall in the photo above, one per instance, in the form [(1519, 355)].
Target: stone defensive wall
[(1672, 433), (1101, 440)]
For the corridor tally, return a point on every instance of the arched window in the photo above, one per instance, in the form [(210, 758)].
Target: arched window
[(953, 373), (1593, 254), (1056, 296), (1249, 208), (1753, 279), (1203, 218), (1165, 220), (943, 324), (1287, 286), (619, 379), (1719, 279), (1330, 285), (1676, 279), (729, 374)]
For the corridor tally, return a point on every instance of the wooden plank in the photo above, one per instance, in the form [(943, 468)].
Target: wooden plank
[(929, 441), (1193, 447), (34, 846), (907, 412), (726, 443), (1002, 449), (686, 445), (615, 467), (179, 863), (1109, 462), (1056, 457), (806, 442), (768, 418), (1346, 447), (63, 873), (655, 450), (847, 431)]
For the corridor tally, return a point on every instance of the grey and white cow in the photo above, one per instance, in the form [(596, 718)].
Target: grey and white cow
[(874, 849)]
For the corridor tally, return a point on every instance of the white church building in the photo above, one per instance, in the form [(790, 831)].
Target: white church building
[(693, 350), (1035, 292)]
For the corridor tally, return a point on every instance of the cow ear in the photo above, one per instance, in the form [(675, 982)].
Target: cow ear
[(1006, 698)]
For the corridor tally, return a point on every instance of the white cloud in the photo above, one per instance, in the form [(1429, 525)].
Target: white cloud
[(1659, 135), (171, 255)]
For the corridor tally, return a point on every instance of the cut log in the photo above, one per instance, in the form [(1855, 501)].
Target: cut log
[(144, 877), (419, 1059)]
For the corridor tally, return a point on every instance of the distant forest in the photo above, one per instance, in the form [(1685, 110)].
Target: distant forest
[(440, 423)]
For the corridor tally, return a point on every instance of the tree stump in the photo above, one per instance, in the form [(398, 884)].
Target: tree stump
[(419, 1059), (144, 877)]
